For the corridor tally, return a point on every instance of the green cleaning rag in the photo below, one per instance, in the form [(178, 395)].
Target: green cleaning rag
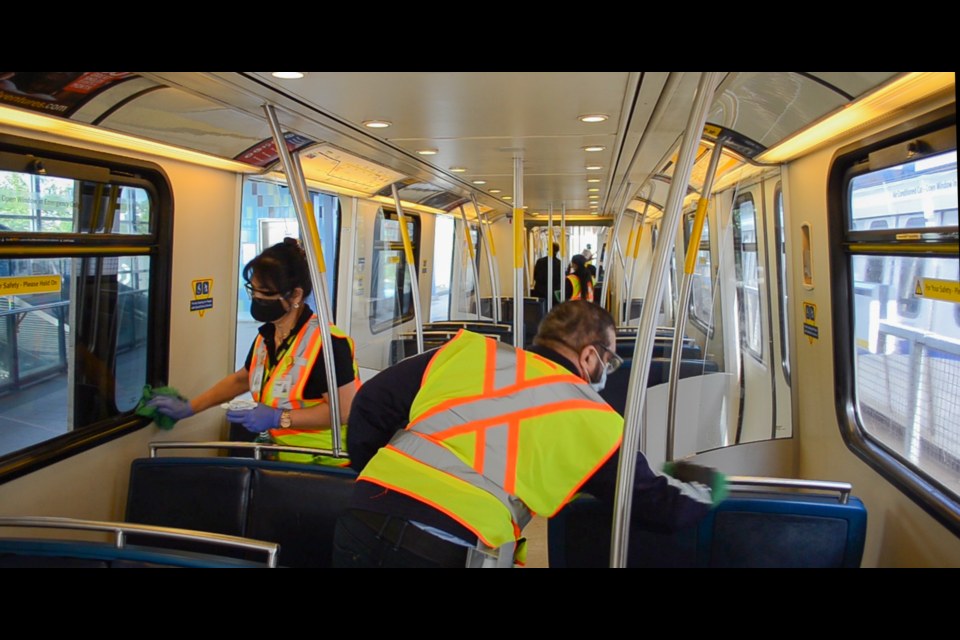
[(149, 393)]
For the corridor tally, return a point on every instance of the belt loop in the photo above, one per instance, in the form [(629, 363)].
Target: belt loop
[(403, 532)]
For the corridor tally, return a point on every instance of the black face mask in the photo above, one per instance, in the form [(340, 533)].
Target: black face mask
[(267, 311)]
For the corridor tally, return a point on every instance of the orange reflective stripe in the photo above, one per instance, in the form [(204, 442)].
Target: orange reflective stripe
[(456, 402), (481, 454), (513, 445), (532, 412), (490, 373), (300, 387)]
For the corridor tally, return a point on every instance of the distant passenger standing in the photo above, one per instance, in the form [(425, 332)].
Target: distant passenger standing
[(541, 275), (588, 253), (285, 370), (580, 284), (458, 448)]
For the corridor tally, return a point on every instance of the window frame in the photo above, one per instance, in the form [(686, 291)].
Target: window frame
[(780, 233), (890, 147), (741, 275), (20, 155), (391, 214)]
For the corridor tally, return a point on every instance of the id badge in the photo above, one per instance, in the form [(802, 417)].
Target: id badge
[(256, 386), (282, 387)]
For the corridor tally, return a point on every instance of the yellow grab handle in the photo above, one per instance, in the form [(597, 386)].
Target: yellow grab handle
[(473, 254), (636, 247), (518, 231), (315, 234), (407, 245), (629, 244), (695, 235)]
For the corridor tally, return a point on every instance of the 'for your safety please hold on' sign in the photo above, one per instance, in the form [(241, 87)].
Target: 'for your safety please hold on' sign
[(30, 285)]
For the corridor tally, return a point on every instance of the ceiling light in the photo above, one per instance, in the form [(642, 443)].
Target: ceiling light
[(595, 167), (377, 124), (594, 197), (593, 190), (289, 75), (525, 208), (594, 213), (427, 152), (508, 198), (594, 149), (594, 118), (479, 183), (495, 191), (457, 170), (594, 181)]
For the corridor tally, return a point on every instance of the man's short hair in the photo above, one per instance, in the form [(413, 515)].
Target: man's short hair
[(556, 249), (577, 325)]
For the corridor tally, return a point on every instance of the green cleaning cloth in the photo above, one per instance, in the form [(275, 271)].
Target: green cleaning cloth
[(149, 393)]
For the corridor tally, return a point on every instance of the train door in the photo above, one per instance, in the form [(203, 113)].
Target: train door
[(779, 307)]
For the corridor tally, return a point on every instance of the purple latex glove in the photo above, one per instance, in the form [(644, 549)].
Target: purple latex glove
[(172, 408), (261, 419)]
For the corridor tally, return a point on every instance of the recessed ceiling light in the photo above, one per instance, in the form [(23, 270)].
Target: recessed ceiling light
[(594, 118), (594, 149), (593, 190), (594, 181), (595, 167), (525, 208), (457, 170), (479, 182), (377, 124), (495, 191), (289, 75), (427, 152), (594, 213), (594, 197)]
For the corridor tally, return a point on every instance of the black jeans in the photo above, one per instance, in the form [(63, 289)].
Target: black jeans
[(357, 546)]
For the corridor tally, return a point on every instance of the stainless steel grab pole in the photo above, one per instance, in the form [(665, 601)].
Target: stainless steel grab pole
[(563, 252), (491, 262), (412, 264), (636, 255), (550, 262), (676, 357), (643, 353), (519, 232), (473, 258), (318, 269), (625, 291), (613, 244)]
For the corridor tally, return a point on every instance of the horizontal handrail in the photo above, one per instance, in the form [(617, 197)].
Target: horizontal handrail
[(257, 449), (122, 530), (59, 305), (844, 489)]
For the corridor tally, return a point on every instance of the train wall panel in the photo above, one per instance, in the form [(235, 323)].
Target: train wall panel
[(900, 533)]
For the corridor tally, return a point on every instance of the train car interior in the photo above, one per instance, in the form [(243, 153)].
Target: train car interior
[(779, 251)]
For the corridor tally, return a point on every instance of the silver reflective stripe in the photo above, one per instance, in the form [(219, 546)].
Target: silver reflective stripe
[(434, 456), (485, 409), (506, 367), (282, 392), (495, 454)]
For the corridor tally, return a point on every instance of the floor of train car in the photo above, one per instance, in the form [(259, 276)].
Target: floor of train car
[(39, 413)]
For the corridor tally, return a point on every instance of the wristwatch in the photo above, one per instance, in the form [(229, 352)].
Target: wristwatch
[(285, 420)]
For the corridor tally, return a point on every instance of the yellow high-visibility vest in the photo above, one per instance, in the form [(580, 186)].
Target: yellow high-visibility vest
[(497, 435), (578, 289), (283, 388)]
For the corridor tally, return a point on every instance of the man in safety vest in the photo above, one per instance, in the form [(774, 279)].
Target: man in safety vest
[(460, 447)]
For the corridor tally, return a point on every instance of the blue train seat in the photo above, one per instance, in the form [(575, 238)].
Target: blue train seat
[(618, 385), (750, 530), (436, 336), (57, 554), (294, 505), (662, 348)]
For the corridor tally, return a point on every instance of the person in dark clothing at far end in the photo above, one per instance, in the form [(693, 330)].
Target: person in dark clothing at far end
[(446, 479), (541, 275)]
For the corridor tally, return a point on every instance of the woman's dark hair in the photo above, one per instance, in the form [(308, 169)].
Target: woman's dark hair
[(586, 280), (282, 268)]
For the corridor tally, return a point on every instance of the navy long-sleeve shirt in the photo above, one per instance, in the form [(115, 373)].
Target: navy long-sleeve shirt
[(382, 408)]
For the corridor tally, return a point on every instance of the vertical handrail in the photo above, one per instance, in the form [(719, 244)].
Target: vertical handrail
[(473, 258), (563, 252), (411, 264), (636, 251), (318, 269), (693, 250), (612, 245), (623, 310), (491, 249), (518, 253), (634, 434), (550, 261)]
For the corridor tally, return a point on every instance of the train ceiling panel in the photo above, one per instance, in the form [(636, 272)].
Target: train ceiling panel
[(854, 83), (338, 168), (114, 98)]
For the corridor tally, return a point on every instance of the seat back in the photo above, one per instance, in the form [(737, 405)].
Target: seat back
[(68, 554), (618, 385), (294, 505), (751, 530)]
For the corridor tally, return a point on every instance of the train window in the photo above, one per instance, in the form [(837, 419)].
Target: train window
[(392, 303), (904, 320), (445, 239), (269, 216), (84, 322), (782, 266), (49, 205), (701, 298), (748, 274)]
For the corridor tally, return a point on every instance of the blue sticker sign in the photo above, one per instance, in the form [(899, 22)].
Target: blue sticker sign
[(810, 328), (202, 296)]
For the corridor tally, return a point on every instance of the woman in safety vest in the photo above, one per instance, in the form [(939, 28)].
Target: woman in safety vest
[(580, 284), (285, 370)]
